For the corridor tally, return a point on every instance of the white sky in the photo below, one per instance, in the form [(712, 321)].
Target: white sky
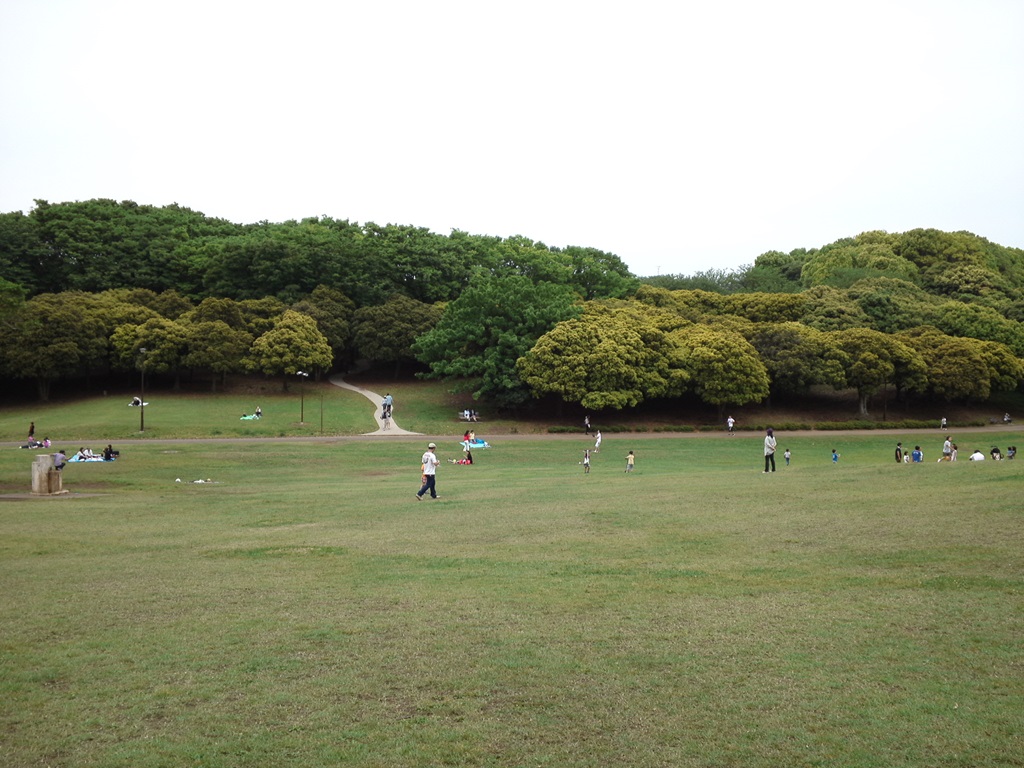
[(682, 136)]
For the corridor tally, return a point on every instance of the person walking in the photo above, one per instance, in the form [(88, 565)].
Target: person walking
[(31, 431), (586, 424), (586, 461), (429, 468), (769, 450), (597, 443), (730, 423), (787, 456), (630, 461), (947, 450)]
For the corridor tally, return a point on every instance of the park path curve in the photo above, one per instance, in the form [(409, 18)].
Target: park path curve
[(373, 397)]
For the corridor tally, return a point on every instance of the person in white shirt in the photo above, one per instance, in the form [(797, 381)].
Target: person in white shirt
[(977, 456), (429, 468), (769, 450)]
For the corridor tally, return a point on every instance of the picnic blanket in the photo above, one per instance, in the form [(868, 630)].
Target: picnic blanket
[(471, 444), (252, 417)]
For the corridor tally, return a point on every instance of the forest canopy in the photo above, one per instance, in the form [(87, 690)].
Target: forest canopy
[(86, 286)]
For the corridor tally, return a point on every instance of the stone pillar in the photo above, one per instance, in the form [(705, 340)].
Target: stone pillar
[(47, 480)]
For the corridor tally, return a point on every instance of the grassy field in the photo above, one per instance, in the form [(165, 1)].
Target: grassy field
[(303, 609)]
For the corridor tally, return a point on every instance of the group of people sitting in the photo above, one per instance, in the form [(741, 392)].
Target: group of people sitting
[(256, 415), (995, 453), (86, 454), (33, 443), (469, 414)]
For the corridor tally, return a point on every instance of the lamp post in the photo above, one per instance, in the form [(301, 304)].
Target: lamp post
[(302, 396), (142, 390)]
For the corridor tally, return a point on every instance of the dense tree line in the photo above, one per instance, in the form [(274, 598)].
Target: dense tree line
[(95, 287)]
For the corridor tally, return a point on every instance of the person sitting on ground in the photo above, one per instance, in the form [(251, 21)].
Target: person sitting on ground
[(136, 401), (1006, 418), (917, 455), (258, 413), (1011, 451), (977, 455), (109, 453), (46, 442), (996, 454)]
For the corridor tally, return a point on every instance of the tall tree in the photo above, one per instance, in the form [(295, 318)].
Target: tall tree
[(797, 357), (217, 347), (54, 336), (606, 359), (872, 359), (488, 328), (386, 333), (294, 344), (724, 367)]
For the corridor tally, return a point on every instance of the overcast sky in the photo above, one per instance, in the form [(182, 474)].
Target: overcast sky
[(682, 136)]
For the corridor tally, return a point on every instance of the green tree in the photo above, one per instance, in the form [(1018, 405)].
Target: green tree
[(978, 322), (99, 244), (23, 255), (488, 328), (832, 309), (955, 368), (53, 337), (386, 333), (766, 307), (844, 262), (890, 304), (724, 367), (797, 357), (872, 359), (333, 312), (598, 275), (217, 347), (294, 344), (213, 310), (606, 359), (164, 340)]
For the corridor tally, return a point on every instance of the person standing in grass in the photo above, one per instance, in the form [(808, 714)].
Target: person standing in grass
[(586, 461), (769, 450), (899, 453), (835, 456), (787, 456), (630, 460), (730, 423), (597, 442), (429, 468)]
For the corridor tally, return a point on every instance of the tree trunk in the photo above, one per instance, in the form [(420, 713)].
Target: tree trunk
[(863, 397)]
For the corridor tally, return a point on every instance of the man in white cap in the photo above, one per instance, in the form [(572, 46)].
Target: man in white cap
[(430, 462)]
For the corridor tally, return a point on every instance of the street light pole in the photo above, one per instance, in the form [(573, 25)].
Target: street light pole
[(302, 396), (142, 391)]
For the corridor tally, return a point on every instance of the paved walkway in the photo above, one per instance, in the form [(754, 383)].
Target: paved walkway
[(373, 397)]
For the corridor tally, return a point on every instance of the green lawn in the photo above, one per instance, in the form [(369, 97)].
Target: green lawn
[(303, 609)]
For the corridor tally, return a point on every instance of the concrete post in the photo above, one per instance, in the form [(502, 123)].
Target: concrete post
[(47, 480)]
